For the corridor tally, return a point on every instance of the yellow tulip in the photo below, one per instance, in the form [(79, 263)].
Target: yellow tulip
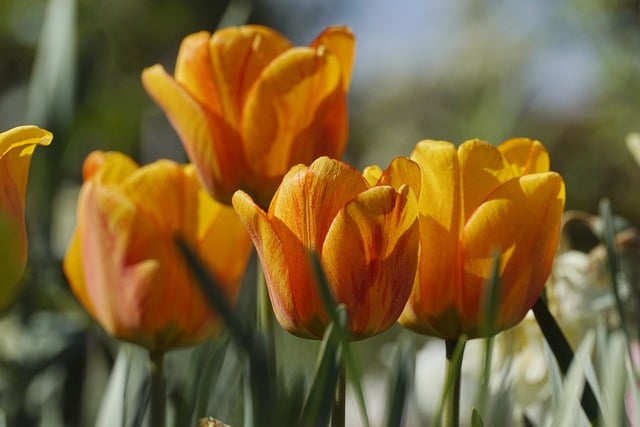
[(247, 105), (123, 263), (366, 238), (16, 148), (474, 202)]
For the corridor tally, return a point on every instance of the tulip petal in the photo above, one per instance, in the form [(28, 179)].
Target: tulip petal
[(341, 42), (482, 169), (295, 113), (74, 271), (522, 220), (118, 283), (309, 198), (370, 257), (16, 147), (372, 174), (107, 168), (402, 171), (287, 270), (194, 71), (211, 144), (525, 155), (158, 190), (438, 284), (218, 236)]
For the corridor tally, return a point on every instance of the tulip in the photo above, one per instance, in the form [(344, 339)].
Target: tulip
[(16, 148), (474, 202), (247, 105), (123, 263), (365, 236)]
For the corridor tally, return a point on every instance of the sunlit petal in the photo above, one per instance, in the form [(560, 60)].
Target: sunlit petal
[(370, 256), (340, 41), (286, 113), (326, 186), (525, 155), (522, 218)]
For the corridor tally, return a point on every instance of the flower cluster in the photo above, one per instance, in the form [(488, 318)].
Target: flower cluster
[(264, 124)]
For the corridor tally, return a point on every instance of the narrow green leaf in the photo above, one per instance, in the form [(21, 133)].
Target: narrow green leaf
[(400, 384), (213, 292), (330, 304), (608, 235), (476, 419), (317, 407), (615, 381), (456, 361), (491, 306), (262, 381), (562, 351), (566, 412)]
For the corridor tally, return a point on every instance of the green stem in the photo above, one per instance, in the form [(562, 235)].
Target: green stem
[(265, 319), (158, 394), (451, 416), (338, 410)]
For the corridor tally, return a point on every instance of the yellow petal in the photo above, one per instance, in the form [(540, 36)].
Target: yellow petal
[(285, 263), (238, 57), (117, 278), (108, 168), (372, 174), (158, 190), (292, 114), (16, 147), (340, 41), (370, 257), (25, 138), (482, 169), (218, 235), (211, 144), (402, 171), (525, 155), (438, 280), (309, 198), (194, 71), (522, 220)]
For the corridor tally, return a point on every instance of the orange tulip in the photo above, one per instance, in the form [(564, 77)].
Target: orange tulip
[(366, 238), (247, 105), (123, 263), (16, 148), (473, 202)]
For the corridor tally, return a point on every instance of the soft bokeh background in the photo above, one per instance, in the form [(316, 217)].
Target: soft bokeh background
[(564, 72)]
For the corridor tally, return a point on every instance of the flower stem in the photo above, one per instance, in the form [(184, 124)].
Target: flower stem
[(158, 395), (338, 410), (451, 416), (265, 319)]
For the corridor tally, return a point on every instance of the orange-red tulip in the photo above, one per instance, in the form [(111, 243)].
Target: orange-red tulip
[(366, 237), (247, 105), (123, 263), (473, 202), (16, 148)]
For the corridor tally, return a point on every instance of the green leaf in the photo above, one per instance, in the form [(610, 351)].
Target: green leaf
[(563, 354), (317, 407), (615, 381), (476, 419), (567, 412), (400, 384)]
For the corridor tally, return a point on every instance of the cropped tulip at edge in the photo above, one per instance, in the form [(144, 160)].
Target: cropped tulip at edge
[(123, 263), (474, 201), (247, 105), (16, 148), (366, 238)]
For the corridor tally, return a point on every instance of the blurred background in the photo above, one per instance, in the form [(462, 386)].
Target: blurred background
[(564, 72)]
